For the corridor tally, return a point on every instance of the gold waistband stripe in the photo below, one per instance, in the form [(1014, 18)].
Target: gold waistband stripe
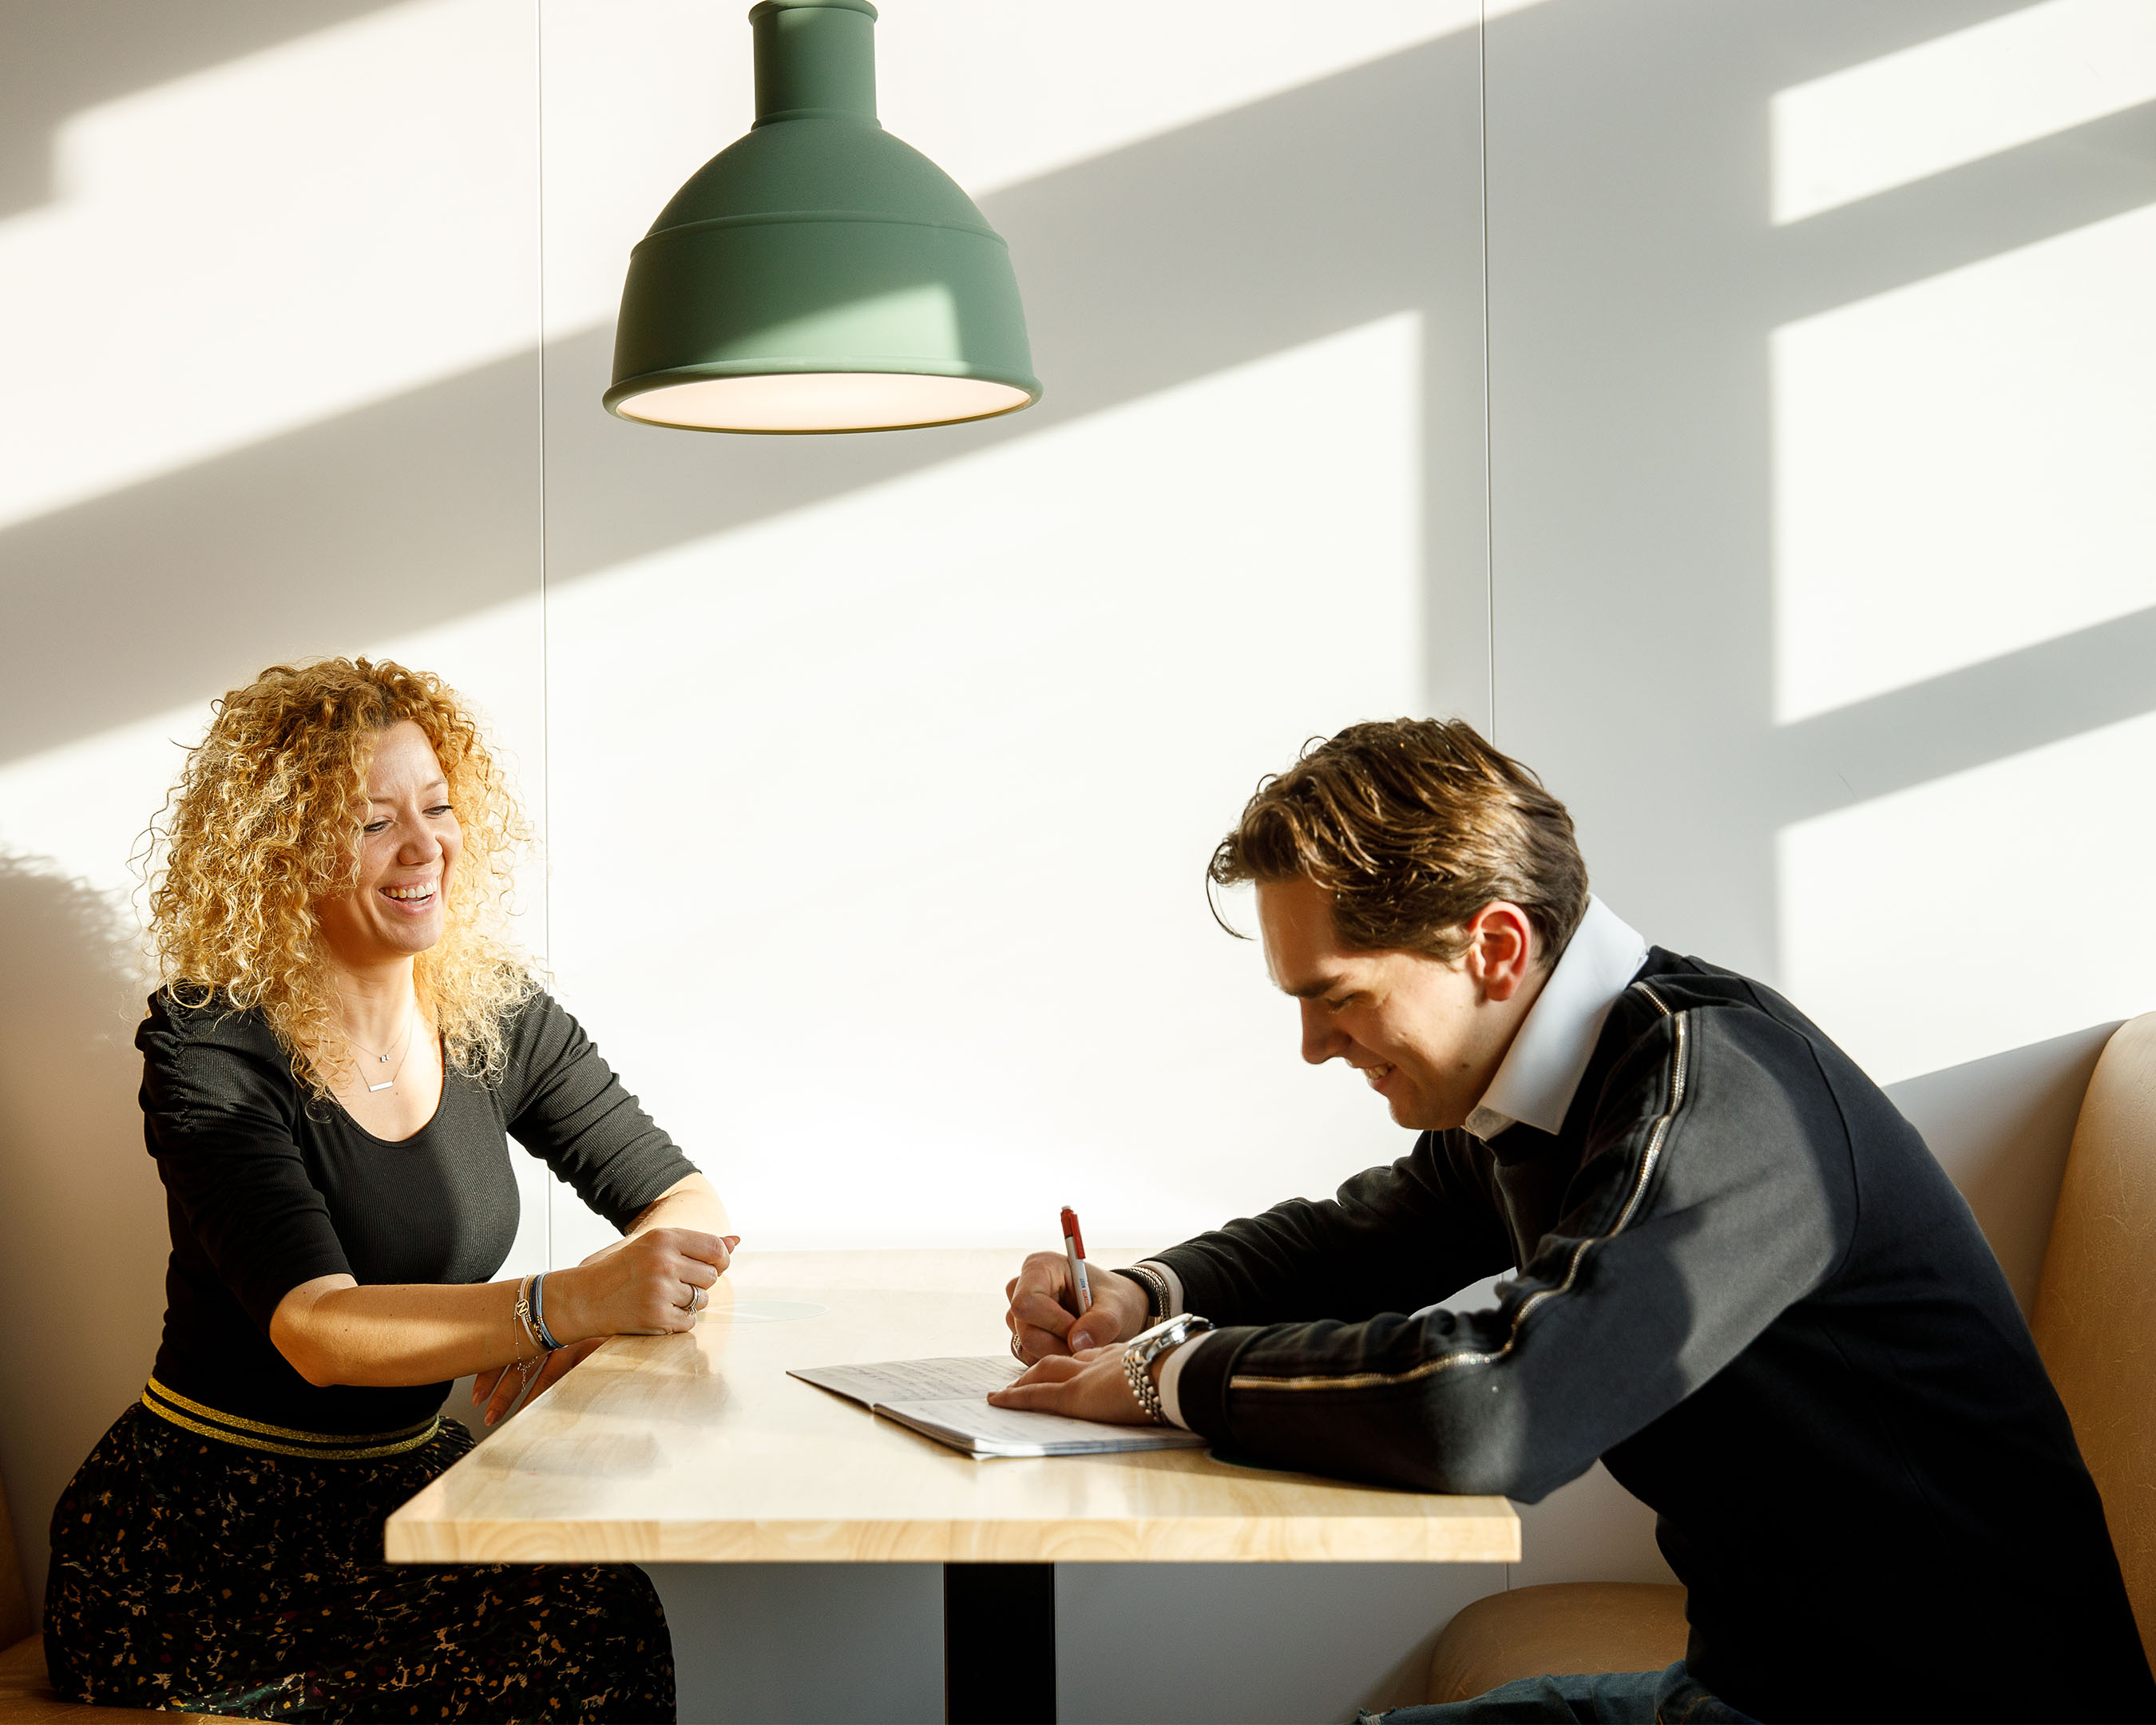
[(206, 1421)]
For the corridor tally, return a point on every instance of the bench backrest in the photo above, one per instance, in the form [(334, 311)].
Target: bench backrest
[(2096, 1306)]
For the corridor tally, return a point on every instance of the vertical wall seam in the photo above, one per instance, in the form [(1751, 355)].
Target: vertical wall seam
[(546, 687), (1489, 447)]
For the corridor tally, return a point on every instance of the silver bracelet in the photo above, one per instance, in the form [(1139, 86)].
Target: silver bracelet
[(1156, 1287), (524, 1314)]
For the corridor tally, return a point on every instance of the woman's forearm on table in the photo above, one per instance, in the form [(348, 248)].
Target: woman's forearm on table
[(689, 1203), (333, 1331)]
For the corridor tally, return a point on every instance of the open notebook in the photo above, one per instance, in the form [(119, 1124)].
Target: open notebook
[(946, 1400)]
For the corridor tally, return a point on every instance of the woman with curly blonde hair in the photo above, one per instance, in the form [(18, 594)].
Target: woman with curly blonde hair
[(342, 1044)]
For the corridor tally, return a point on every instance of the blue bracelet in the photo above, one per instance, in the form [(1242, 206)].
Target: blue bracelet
[(539, 1312)]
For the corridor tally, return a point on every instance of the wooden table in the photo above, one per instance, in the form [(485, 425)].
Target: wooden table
[(699, 1448)]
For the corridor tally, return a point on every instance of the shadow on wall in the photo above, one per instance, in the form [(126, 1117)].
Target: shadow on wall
[(83, 1243), (61, 59), (1296, 218)]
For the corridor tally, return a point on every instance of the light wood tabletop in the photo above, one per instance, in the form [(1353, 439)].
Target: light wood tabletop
[(699, 1448)]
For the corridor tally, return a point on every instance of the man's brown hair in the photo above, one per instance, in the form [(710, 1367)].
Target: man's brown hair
[(1411, 826)]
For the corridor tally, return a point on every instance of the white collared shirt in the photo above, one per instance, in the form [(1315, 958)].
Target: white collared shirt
[(1537, 1080)]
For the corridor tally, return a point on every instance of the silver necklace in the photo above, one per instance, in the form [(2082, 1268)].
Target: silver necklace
[(411, 1013), (398, 1072)]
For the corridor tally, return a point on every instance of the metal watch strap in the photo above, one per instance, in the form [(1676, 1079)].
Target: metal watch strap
[(1143, 1386), (1141, 1350)]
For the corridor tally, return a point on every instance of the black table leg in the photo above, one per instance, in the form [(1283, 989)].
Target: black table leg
[(999, 1644)]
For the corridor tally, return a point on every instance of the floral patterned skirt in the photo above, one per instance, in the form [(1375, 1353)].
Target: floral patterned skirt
[(194, 1575)]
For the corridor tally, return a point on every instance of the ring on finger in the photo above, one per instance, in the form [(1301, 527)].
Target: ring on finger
[(698, 1299), (1017, 1353)]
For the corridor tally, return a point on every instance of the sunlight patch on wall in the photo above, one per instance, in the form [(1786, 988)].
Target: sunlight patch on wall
[(992, 93), (880, 863), (1957, 99), (1963, 467), (1982, 911), (222, 263), (81, 809)]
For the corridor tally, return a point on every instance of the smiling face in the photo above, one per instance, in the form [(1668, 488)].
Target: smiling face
[(1427, 1036), (408, 846)]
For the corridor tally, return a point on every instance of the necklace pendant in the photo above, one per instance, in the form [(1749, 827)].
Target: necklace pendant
[(384, 1085)]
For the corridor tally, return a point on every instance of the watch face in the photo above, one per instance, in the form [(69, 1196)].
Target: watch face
[(1177, 1330)]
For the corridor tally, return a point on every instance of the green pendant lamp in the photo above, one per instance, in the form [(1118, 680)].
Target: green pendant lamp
[(819, 275)]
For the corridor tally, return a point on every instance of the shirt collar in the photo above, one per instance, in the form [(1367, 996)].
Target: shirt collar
[(1543, 1068)]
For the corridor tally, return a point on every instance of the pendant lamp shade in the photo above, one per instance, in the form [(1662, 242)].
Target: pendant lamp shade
[(819, 275)]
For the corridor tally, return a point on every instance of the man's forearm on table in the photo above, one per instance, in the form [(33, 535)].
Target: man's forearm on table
[(1394, 1238)]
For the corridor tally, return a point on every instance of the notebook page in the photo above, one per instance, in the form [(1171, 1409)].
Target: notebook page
[(914, 1380)]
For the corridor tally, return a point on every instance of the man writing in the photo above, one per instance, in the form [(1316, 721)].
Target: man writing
[(1739, 1278)]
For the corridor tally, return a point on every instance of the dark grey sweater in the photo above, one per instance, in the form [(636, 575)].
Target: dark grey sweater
[(267, 1187), (1748, 1287)]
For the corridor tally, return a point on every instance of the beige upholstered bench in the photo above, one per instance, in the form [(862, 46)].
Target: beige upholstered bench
[(2096, 1326), (1564, 1627)]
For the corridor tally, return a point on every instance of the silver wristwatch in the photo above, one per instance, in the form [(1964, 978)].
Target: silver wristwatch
[(1142, 1349)]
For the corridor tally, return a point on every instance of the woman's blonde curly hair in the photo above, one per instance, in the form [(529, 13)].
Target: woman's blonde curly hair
[(266, 819)]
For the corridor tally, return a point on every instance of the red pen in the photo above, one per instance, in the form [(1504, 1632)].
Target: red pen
[(1073, 1250)]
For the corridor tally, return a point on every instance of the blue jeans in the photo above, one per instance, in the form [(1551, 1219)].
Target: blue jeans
[(1668, 1697)]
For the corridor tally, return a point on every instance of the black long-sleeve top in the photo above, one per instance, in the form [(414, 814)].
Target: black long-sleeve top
[(1747, 1286), (267, 1187)]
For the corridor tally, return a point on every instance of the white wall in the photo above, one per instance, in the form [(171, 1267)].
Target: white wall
[(877, 773), (1825, 552), (946, 723)]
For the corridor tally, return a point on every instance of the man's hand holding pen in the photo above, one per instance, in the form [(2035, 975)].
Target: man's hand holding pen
[(1073, 1347), (1044, 1318)]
